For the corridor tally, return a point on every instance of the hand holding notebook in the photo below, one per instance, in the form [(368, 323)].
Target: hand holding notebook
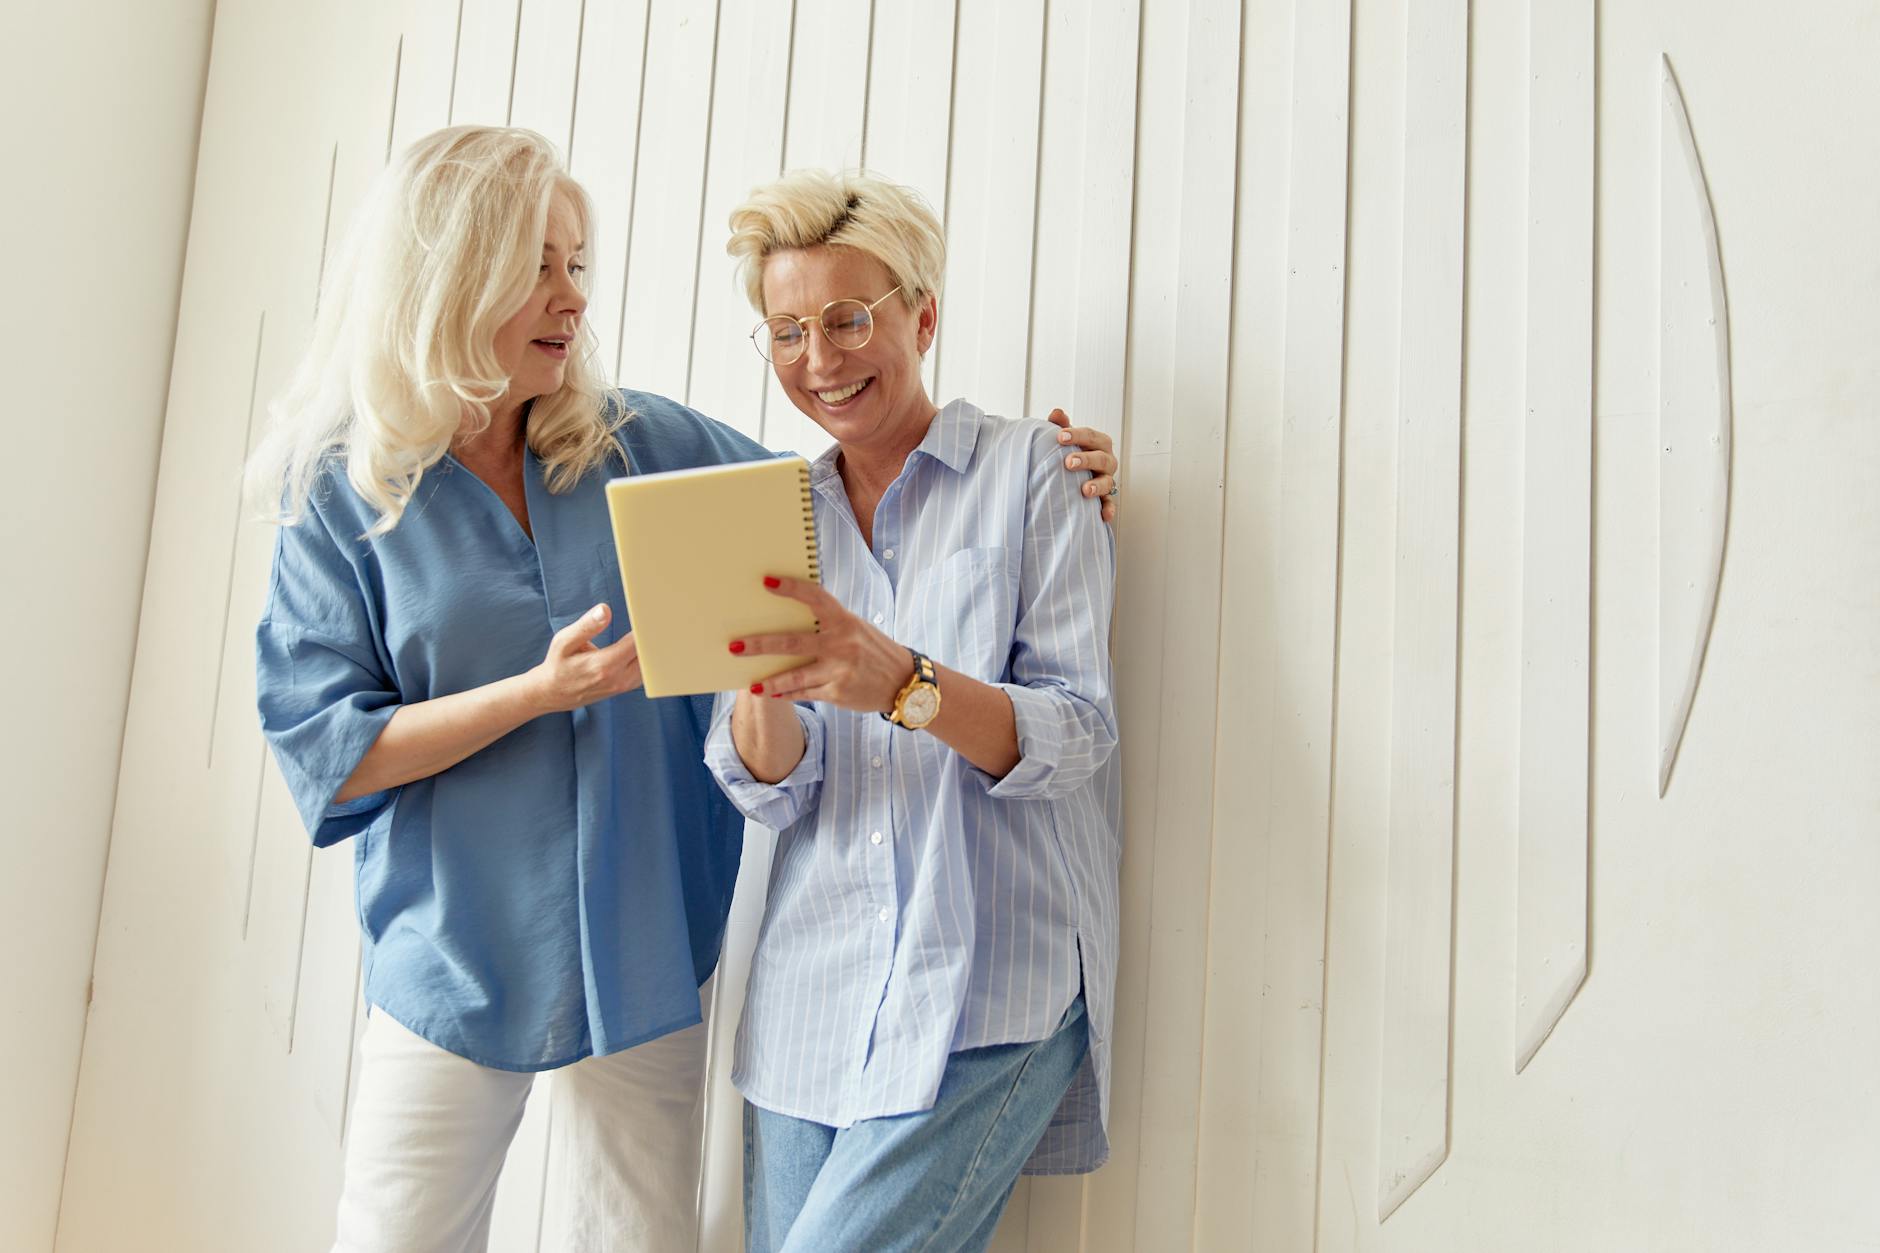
[(694, 547)]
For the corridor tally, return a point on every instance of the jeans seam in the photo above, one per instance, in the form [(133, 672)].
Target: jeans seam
[(972, 1169)]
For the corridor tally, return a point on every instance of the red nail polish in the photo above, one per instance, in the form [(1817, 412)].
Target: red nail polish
[(772, 581), (757, 689), (737, 646)]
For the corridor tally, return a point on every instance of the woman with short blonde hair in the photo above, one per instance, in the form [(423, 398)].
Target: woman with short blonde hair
[(446, 677), (929, 1007), (811, 208)]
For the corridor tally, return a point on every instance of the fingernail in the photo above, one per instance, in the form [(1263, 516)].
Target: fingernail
[(1064, 437), (772, 581), (1075, 462), (597, 612), (737, 646), (757, 689)]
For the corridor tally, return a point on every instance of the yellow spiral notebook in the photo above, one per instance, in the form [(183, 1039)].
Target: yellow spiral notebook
[(694, 547)]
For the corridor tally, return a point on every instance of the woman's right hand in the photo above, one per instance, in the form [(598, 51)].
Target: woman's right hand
[(577, 672)]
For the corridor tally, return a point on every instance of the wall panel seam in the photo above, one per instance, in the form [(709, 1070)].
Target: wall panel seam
[(633, 192), (704, 183)]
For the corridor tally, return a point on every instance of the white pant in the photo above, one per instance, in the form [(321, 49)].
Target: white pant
[(429, 1131)]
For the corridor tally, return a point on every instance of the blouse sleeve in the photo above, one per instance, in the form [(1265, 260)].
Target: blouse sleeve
[(322, 679)]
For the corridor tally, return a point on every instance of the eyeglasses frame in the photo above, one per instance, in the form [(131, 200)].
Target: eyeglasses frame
[(817, 318)]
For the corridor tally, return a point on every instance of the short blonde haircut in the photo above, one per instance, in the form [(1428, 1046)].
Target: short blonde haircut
[(804, 208), (444, 250)]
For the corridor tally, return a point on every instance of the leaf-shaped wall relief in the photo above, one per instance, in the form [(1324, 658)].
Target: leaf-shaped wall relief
[(1693, 421)]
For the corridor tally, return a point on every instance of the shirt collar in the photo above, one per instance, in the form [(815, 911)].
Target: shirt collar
[(951, 438)]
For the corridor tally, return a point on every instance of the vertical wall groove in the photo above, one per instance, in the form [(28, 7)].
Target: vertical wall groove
[(1229, 1127), (254, 843), (1037, 181), (234, 543), (1180, 410), (398, 72), (456, 53), (908, 136), (1338, 592), (1413, 1116), (574, 96), (1295, 823), (604, 154), (868, 85), (1556, 560), (515, 49), (546, 69), (704, 188)]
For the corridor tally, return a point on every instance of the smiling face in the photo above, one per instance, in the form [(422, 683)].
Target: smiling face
[(533, 345), (870, 399)]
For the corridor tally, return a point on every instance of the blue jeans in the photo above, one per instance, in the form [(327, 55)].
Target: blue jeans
[(935, 1181)]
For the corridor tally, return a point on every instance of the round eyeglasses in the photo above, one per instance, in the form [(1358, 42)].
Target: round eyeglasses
[(847, 324)]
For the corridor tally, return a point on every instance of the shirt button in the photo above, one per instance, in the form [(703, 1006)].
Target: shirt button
[(883, 915), (876, 763), (888, 556), (875, 838), (877, 619)]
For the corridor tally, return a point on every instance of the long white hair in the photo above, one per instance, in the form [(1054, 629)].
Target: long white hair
[(444, 250)]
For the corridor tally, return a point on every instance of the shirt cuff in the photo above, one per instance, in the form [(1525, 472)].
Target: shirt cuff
[(1038, 718), (775, 805)]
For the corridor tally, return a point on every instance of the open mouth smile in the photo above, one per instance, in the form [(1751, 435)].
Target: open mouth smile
[(838, 397)]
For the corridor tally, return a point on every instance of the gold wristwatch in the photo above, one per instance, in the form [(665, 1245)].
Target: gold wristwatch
[(919, 702)]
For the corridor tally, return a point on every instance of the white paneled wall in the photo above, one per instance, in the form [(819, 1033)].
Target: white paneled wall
[(1383, 305), (92, 229)]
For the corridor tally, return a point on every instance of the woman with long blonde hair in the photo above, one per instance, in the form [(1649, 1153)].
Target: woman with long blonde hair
[(445, 675)]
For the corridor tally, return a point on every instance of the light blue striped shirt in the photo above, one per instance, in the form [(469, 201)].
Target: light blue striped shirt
[(917, 905)]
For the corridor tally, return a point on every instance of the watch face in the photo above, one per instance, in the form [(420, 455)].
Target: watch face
[(920, 706)]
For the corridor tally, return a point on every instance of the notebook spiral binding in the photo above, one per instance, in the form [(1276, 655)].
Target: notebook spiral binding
[(809, 524)]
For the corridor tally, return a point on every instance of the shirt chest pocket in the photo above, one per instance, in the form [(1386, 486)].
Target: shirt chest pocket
[(962, 612)]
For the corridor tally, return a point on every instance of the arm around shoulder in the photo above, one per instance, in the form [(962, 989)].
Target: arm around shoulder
[(1061, 683)]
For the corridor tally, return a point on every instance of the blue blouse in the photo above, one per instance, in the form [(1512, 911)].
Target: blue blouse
[(562, 892)]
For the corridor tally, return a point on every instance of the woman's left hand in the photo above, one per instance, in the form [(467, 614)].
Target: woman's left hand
[(1091, 450), (852, 664)]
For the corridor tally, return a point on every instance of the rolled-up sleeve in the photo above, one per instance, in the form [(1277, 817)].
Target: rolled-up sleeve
[(321, 680), (1062, 702), (774, 805)]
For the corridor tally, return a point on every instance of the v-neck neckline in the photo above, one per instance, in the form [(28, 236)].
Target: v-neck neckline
[(527, 533)]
